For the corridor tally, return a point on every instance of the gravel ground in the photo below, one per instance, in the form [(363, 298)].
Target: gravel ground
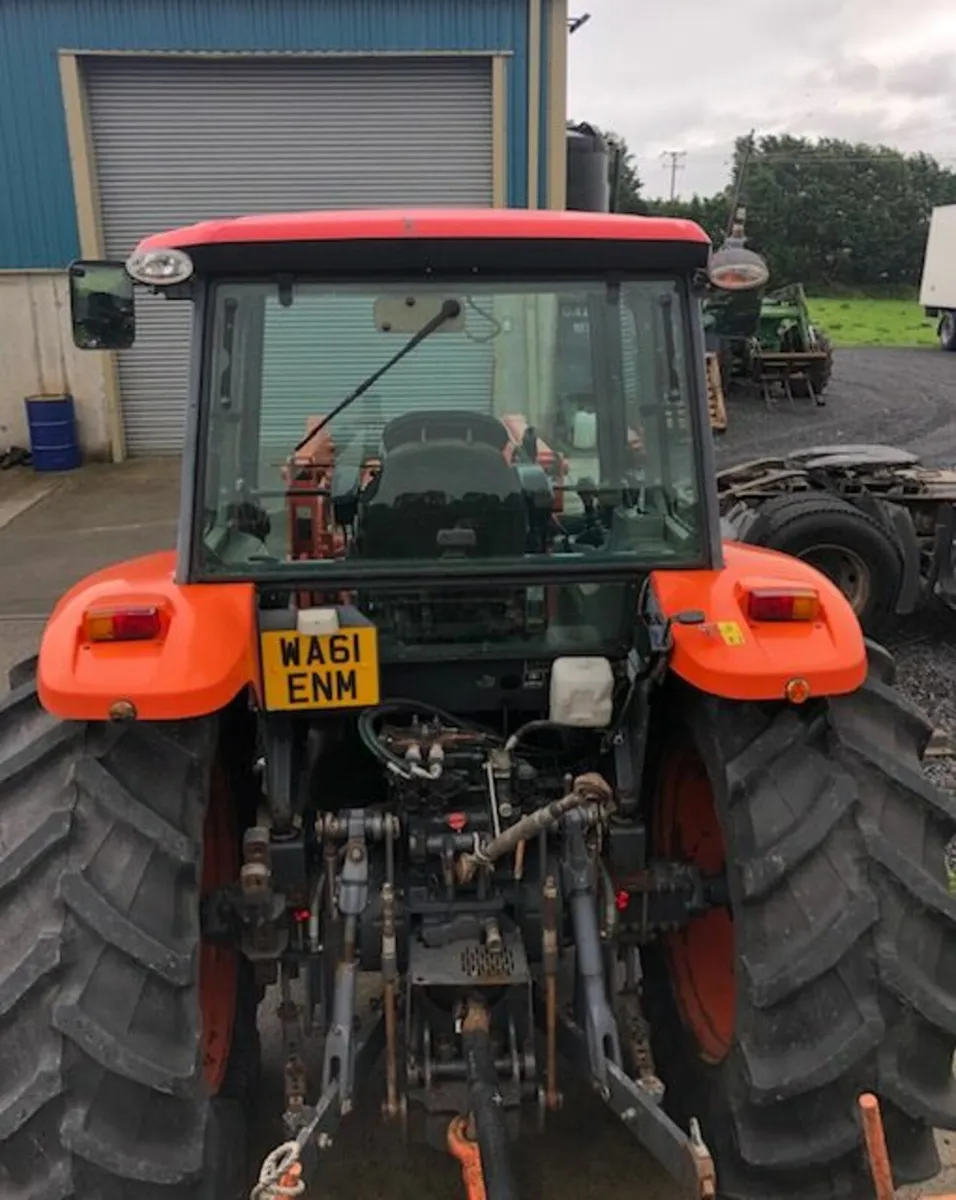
[(901, 397), (904, 398)]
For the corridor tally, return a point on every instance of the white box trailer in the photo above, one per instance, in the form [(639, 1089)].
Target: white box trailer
[(938, 287)]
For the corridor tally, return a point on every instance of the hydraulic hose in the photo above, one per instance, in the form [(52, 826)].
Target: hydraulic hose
[(484, 1101), (368, 733), (586, 789)]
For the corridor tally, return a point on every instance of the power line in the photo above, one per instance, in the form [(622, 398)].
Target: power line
[(817, 159), (676, 165), (814, 158)]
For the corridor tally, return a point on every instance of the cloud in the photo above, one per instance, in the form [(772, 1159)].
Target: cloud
[(922, 77), (692, 76)]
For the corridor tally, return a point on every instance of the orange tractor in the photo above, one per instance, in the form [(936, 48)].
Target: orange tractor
[(451, 727)]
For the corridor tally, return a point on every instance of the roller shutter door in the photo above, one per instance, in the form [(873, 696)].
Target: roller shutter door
[(182, 140)]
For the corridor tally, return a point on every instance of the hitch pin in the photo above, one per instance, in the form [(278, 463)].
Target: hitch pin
[(493, 796), (519, 860)]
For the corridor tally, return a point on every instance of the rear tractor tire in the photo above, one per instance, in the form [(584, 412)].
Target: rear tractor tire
[(832, 971), (128, 1046)]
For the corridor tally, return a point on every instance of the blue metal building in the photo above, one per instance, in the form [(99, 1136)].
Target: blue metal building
[(119, 117)]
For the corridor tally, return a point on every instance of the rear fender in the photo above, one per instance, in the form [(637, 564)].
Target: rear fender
[(726, 655), (206, 655)]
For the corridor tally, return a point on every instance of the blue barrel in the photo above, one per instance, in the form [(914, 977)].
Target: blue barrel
[(53, 439)]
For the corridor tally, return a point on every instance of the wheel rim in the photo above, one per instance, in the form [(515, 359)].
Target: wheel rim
[(218, 964), (700, 956), (947, 327), (845, 568)]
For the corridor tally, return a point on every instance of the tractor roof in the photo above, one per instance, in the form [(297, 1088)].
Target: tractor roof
[(429, 224)]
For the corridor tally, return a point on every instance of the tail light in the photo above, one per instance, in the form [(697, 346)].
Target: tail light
[(783, 604), (141, 624)]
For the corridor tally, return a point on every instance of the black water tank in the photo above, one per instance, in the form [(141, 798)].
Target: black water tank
[(589, 188)]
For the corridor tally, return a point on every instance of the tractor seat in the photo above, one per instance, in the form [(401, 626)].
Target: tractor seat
[(425, 425), (444, 497)]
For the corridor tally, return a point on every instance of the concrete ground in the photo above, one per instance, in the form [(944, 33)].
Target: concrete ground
[(54, 531)]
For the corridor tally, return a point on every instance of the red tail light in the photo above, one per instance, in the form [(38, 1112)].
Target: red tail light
[(123, 624), (783, 604)]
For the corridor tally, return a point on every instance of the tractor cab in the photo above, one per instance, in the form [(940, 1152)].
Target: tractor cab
[(387, 413), (449, 699)]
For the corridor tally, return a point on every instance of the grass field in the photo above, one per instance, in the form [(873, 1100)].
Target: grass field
[(864, 322)]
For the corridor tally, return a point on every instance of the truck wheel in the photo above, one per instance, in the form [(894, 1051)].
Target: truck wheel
[(832, 971), (128, 1046), (842, 542), (947, 331)]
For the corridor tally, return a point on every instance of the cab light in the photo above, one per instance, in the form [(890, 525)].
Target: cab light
[(123, 624), (737, 269), (779, 604), (159, 267)]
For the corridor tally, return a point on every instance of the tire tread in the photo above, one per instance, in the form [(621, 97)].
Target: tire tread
[(846, 937), (101, 1088)]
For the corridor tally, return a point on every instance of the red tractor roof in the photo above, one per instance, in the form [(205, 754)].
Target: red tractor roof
[(387, 225)]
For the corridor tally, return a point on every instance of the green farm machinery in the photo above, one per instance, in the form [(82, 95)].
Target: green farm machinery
[(791, 351), (762, 339)]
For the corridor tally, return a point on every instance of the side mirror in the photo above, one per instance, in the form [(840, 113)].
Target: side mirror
[(102, 307)]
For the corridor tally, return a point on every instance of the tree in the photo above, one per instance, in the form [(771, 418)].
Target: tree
[(828, 213), (629, 183), (831, 212), (712, 213)]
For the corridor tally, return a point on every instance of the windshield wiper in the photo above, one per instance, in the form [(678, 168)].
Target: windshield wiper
[(449, 310)]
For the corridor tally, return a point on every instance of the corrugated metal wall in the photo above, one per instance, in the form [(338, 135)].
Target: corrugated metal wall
[(180, 140), (37, 212), (332, 338)]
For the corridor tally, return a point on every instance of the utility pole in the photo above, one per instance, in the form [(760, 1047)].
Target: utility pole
[(676, 165), (741, 170)]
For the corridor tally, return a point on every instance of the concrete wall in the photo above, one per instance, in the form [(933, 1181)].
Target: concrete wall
[(37, 357)]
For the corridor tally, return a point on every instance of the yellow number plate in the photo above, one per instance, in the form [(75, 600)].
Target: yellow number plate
[(329, 670)]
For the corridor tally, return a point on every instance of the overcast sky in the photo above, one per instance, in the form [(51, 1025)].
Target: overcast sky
[(678, 76)]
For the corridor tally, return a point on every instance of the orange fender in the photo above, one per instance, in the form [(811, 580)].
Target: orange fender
[(206, 654), (727, 655)]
